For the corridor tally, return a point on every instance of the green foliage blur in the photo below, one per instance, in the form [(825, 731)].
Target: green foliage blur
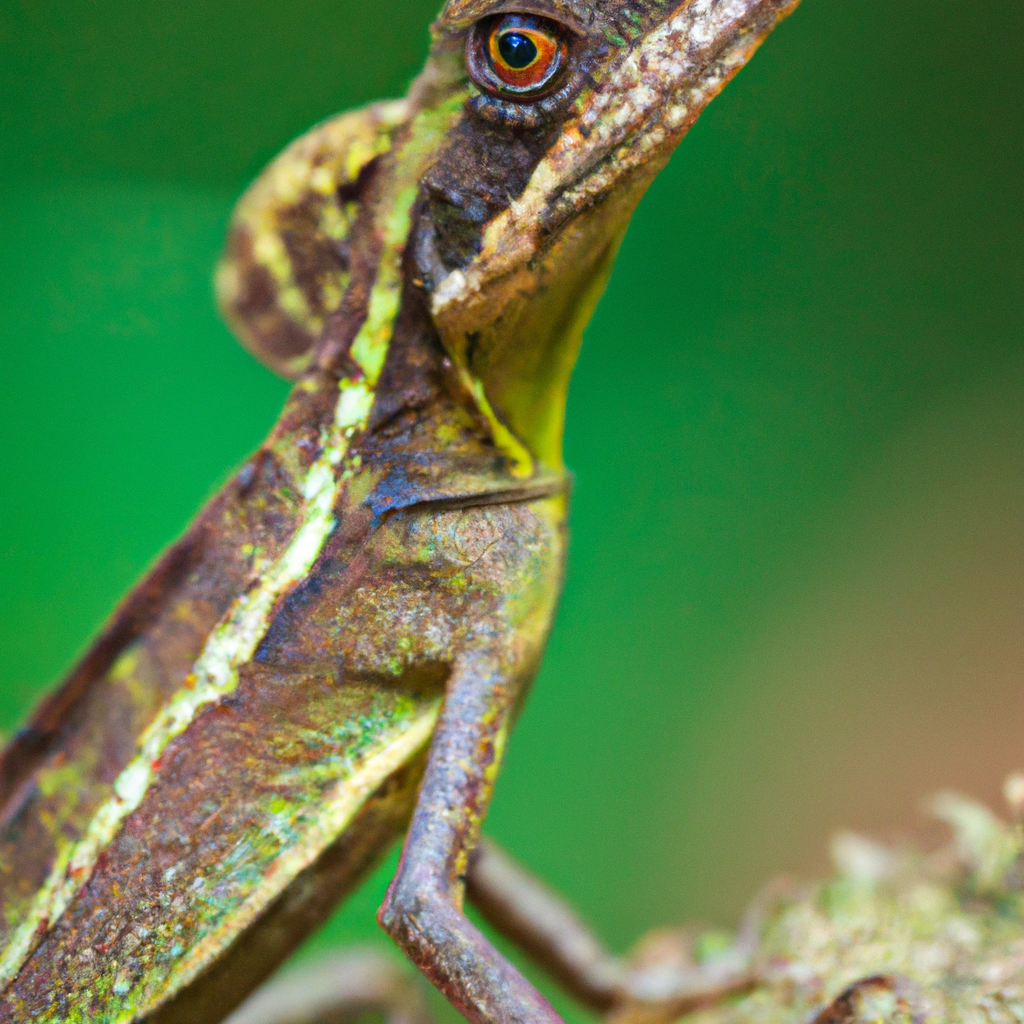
[(796, 591)]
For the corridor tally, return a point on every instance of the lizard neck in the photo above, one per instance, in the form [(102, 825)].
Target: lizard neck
[(417, 435), (402, 418)]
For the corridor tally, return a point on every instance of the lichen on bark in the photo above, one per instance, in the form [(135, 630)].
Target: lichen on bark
[(896, 935)]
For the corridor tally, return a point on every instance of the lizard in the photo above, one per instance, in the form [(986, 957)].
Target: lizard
[(333, 655)]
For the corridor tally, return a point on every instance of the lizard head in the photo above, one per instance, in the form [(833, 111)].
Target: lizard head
[(574, 106), (498, 191)]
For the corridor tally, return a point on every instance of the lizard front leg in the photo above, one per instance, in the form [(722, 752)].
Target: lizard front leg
[(423, 911)]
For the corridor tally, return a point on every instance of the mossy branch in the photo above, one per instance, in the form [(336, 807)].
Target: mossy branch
[(896, 936)]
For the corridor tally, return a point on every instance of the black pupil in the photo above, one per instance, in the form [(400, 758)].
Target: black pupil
[(517, 51)]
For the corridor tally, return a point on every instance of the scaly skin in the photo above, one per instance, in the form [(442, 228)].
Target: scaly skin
[(369, 597)]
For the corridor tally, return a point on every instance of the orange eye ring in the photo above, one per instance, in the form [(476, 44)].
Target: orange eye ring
[(522, 56), (524, 53)]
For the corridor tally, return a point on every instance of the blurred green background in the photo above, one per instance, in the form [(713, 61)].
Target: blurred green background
[(796, 592)]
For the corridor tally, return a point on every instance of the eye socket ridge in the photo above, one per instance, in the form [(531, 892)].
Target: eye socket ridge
[(520, 57)]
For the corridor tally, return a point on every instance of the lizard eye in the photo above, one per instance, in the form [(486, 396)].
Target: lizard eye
[(517, 56)]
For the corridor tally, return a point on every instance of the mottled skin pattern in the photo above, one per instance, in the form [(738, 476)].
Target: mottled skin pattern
[(343, 637)]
